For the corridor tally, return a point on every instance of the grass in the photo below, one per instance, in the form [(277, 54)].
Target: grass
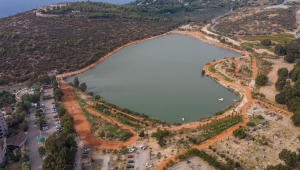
[(213, 70), (280, 38)]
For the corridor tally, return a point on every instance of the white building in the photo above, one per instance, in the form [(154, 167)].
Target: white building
[(3, 126)]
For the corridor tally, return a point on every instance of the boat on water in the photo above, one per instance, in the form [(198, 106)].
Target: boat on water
[(234, 100), (221, 99), (182, 119)]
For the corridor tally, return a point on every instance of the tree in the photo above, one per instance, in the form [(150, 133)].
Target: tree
[(42, 150), (261, 79), (290, 158), (142, 134), (68, 127), (280, 50), (158, 155), (266, 42), (296, 118), (283, 72), (76, 82), (82, 87), (61, 111), (160, 136), (289, 58), (240, 133), (58, 94), (26, 166), (97, 97), (278, 167), (123, 150)]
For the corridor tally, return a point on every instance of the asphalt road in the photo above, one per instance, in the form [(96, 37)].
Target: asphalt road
[(79, 153), (31, 142), (34, 131)]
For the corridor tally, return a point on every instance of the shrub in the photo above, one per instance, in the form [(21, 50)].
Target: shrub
[(266, 42), (250, 124), (261, 79)]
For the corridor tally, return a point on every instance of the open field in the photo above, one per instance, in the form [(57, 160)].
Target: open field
[(269, 89), (279, 38), (263, 143)]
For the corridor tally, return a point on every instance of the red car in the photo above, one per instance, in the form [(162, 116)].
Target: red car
[(130, 156), (55, 116)]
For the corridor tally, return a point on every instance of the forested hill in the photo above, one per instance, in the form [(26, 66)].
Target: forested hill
[(67, 40)]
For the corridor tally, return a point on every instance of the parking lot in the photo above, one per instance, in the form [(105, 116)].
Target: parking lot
[(34, 131)]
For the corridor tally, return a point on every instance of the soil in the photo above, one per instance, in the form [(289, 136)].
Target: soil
[(269, 89), (83, 127)]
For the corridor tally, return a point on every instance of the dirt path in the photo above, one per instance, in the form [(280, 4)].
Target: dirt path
[(82, 126), (236, 65), (254, 68)]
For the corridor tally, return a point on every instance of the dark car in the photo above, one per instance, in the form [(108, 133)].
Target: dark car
[(129, 166), (74, 164), (131, 161), (130, 156)]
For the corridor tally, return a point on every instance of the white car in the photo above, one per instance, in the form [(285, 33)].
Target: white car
[(148, 165)]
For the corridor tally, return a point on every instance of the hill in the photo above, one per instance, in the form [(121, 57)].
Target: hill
[(71, 36)]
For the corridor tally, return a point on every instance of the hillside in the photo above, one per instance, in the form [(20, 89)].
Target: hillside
[(66, 40)]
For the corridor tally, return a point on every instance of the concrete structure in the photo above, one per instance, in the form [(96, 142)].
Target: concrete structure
[(3, 126)]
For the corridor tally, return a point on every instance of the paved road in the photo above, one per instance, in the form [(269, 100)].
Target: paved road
[(214, 20), (49, 118), (79, 153), (31, 142), (34, 131), (142, 158)]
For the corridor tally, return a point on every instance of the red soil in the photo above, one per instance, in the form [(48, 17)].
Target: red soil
[(82, 126)]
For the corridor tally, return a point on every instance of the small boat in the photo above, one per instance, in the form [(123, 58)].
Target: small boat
[(221, 99), (234, 100), (182, 119)]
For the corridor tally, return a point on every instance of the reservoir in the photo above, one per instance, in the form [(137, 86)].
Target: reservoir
[(161, 78)]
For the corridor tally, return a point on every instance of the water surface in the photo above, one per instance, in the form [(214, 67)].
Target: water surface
[(12, 7), (161, 78)]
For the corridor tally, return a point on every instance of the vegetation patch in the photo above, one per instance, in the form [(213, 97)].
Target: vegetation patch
[(279, 38), (214, 128)]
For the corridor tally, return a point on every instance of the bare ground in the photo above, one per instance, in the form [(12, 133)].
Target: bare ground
[(269, 88)]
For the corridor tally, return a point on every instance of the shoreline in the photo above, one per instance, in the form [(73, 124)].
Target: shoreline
[(13, 85), (190, 33)]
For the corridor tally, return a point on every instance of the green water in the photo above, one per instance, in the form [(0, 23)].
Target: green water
[(161, 78)]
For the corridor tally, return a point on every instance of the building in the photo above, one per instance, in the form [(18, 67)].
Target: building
[(3, 126), (2, 149)]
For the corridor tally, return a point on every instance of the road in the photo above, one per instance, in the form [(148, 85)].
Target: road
[(34, 131), (79, 153), (214, 20), (141, 159), (31, 142)]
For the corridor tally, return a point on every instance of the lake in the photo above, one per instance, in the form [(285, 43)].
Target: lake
[(161, 78), (12, 7)]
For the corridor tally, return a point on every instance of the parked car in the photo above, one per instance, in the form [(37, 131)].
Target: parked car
[(131, 161), (74, 164), (45, 127), (55, 116), (129, 166), (149, 165), (130, 156)]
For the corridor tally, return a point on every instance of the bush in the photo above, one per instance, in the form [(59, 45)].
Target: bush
[(266, 42), (250, 124), (240, 133), (261, 79)]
